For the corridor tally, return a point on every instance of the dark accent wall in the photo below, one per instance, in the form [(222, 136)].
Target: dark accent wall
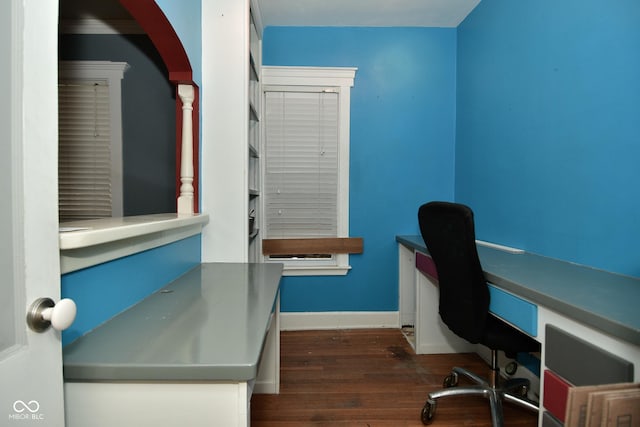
[(148, 117)]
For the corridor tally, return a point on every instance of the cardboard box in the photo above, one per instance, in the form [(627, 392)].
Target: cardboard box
[(622, 410), (597, 406), (578, 398)]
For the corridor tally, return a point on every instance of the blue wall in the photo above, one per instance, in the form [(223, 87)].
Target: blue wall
[(548, 127), (103, 291), (185, 17), (402, 147)]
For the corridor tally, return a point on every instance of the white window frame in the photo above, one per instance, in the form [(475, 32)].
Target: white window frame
[(339, 79), (112, 72)]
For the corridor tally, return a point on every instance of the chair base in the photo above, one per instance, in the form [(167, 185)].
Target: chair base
[(512, 391)]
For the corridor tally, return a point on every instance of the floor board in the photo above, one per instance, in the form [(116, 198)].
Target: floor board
[(368, 377)]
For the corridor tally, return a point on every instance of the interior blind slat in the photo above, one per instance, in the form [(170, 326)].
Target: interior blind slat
[(84, 151), (301, 166)]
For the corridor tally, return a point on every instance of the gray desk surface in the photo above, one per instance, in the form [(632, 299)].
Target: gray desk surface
[(209, 324), (605, 301)]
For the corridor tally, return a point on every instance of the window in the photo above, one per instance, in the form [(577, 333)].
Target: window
[(90, 139), (301, 166), (306, 165)]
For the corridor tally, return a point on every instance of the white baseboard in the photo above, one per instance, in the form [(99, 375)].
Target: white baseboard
[(290, 321)]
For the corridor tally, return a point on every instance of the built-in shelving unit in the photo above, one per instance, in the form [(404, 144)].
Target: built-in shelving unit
[(254, 178)]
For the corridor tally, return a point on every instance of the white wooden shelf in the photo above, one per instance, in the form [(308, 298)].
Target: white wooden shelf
[(255, 138)]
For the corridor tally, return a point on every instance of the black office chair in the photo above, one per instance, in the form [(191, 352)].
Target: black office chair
[(448, 231)]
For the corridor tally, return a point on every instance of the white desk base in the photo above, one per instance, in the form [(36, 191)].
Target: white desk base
[(157, 404), (418, 303), (170, 404)]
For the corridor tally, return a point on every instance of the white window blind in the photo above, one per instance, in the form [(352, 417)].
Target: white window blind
[(301, 165), (84, 150)]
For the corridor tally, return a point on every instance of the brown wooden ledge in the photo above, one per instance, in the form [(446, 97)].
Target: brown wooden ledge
[(337, 245)]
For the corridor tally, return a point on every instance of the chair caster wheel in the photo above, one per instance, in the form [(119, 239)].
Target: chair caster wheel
[(450, 380), (428, 412)]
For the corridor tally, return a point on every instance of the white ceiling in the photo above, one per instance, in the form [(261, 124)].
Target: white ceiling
[(325, 13), (365, 13)]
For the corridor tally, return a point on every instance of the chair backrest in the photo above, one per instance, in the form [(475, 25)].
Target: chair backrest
[(448, 231)]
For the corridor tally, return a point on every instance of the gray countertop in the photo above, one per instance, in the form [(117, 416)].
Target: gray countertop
[(208, 325), (605, 301)]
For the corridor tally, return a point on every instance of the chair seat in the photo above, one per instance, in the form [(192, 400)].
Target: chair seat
[(499, 335)]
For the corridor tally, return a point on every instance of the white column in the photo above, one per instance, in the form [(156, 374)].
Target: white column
[(185, 199), (225, 130)]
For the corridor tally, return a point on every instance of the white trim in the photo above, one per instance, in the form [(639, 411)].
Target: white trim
[(334, 79), (92, 69), (308, 76), (293, 321), (94, 232), (92, 242), (99, 26)]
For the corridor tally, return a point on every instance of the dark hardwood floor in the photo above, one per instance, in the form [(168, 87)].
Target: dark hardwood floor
[(368, 377)]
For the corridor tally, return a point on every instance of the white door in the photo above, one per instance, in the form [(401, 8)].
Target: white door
[(30, 363)]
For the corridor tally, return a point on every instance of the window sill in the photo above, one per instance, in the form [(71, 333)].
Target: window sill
[(91, 242)]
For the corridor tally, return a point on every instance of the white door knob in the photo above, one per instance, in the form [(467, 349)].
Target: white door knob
[(44, 313)]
